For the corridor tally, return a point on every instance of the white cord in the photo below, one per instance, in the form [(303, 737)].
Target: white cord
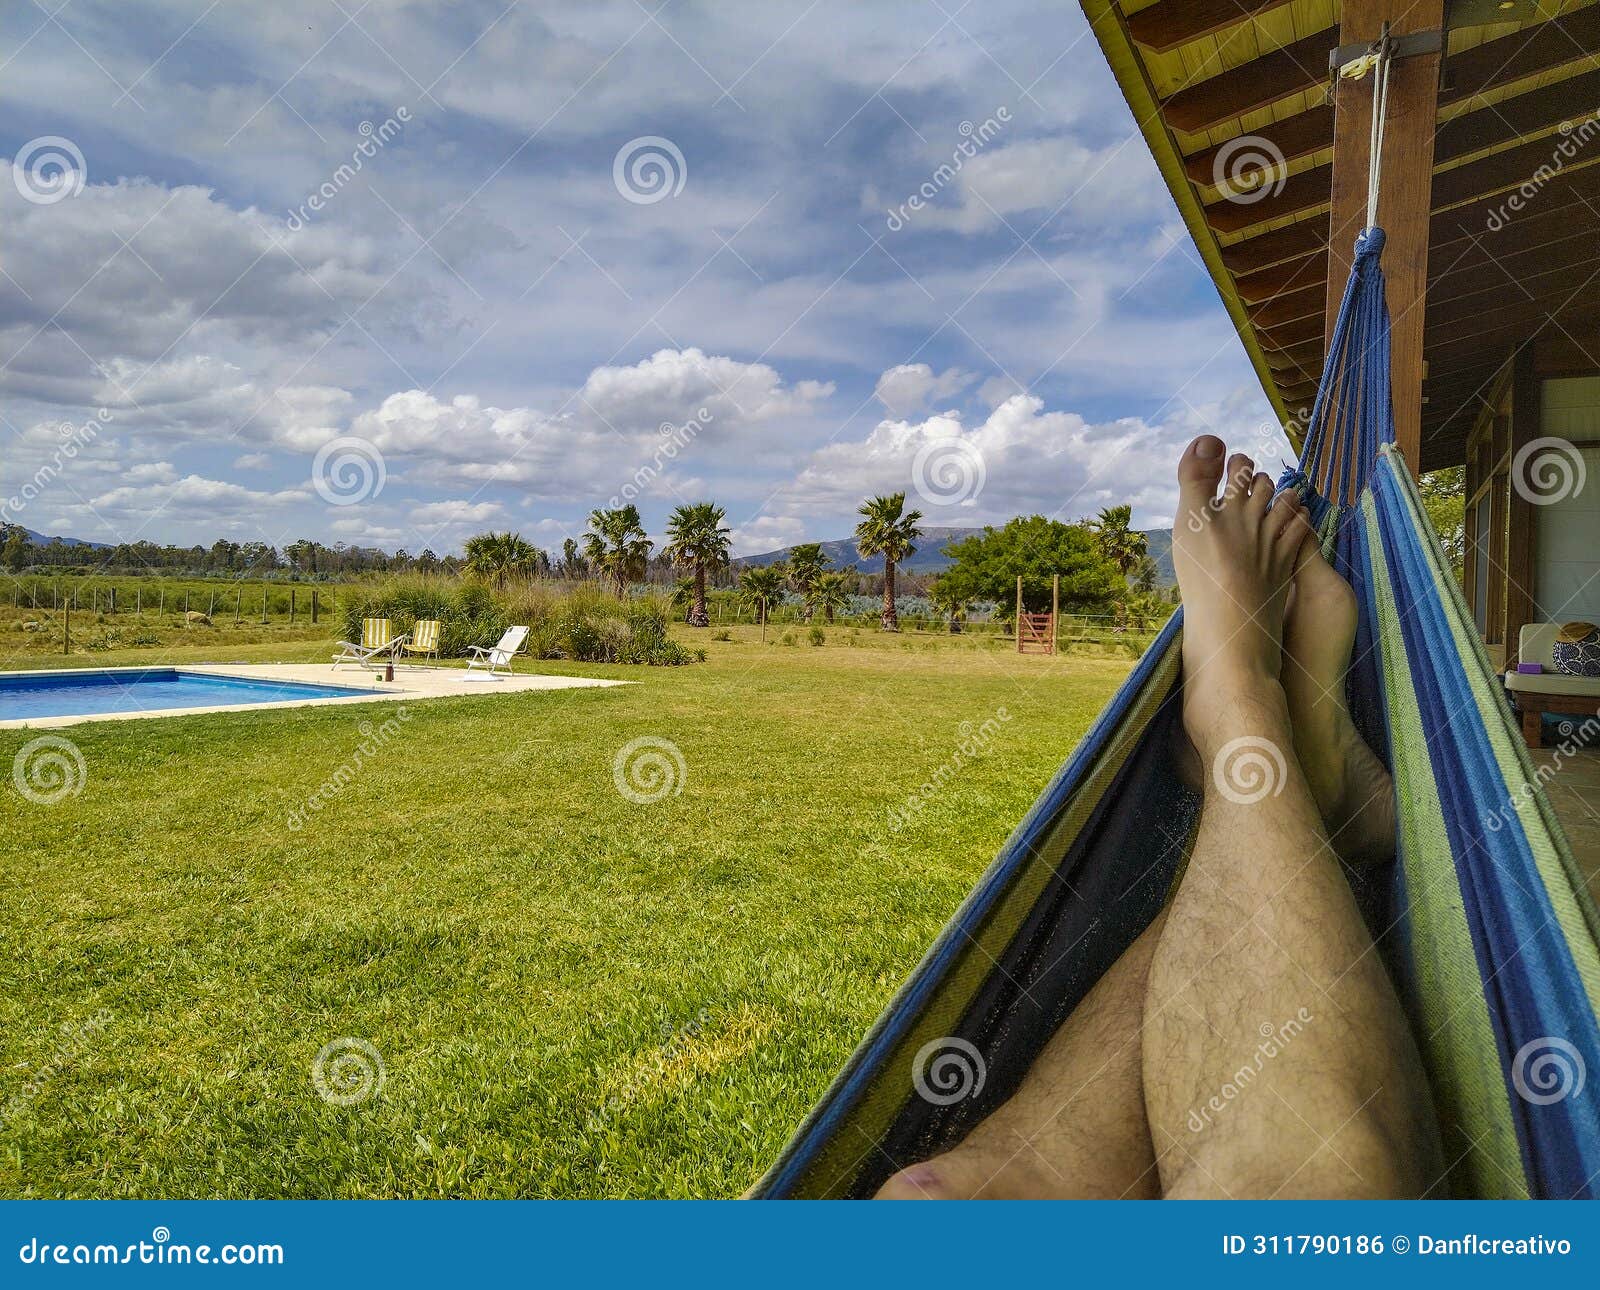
[(1380, 110)]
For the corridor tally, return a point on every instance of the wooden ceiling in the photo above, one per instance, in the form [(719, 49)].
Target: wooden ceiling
[(1223, 89)]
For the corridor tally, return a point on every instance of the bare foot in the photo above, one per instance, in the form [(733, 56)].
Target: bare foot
[(1352, 789), (1235, 562)]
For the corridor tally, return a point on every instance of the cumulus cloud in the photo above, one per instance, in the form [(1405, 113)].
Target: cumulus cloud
[(672, 387), (909, 387), (252, 461), (457, 512)]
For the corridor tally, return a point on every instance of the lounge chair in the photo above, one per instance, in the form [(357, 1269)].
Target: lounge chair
[(424, 642), (378, 642), (496, 661), (1547, 690)]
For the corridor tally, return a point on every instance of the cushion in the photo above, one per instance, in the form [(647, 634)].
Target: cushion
[(1576, 650), (1553, 683)]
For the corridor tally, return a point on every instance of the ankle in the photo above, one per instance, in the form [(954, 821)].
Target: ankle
[(1221, 704)]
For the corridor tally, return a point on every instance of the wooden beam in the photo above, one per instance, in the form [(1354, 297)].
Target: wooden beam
[(1289, 335), (1521, 551), (1293, 137), (1172, 23), (1296, 195), (1495, 172), (1407, 170), (1289, 275), (1290, 306), (1288, 243), (1276, 75), (1495, 63)]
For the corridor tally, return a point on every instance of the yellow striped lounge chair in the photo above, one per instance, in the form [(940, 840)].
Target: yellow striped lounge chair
[(424, 642), (378, 645)]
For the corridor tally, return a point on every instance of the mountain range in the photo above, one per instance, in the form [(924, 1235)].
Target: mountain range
[(930, 556)]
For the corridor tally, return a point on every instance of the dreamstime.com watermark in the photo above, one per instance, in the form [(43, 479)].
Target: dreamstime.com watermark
[(1547, 1070), (374, 739), (348, 470), (49, 169), (1572, 739), (1574, 138), (1548, 470), (1274, 1039), (76, 1038), (48, 770), (649, 769), (73, 439), (649, 169), (1249, 769), (347, 1071), (949, 472), (674, 1040), (674, 439), (1249, 168), (972, 742), (160, 1249), (373, 140), (974, 139), (948, 1070)]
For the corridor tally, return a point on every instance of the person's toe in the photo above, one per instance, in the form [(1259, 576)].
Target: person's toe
[(1260, 494), (1241, 473), (1198, 472)]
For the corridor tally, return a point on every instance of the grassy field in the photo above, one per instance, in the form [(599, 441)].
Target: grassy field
[(571, 993)]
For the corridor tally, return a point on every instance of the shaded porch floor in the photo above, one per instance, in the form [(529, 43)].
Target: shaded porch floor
[(1573, 787)]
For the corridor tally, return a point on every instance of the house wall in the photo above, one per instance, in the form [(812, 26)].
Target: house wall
[(1532, 512)]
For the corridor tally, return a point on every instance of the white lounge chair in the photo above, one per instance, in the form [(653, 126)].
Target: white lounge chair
[(377, 643), (496, 660)]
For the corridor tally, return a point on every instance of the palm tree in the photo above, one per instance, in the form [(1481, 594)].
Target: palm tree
[(806, 564), (1122, 545), (616, 546), (699, 541), (572, 561), (498, 556), (830, 592), (761, 586), (949, 603), (889, 530)]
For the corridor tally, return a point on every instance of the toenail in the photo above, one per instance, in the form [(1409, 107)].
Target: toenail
[(1208, 446)]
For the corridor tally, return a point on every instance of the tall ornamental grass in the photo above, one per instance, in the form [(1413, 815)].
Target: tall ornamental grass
[(578, 621)]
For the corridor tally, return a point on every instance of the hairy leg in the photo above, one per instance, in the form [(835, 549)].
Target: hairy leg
[(1276, 1058), (1076, 1127)]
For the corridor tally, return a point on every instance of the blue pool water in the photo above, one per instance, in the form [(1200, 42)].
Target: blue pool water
[(75, 694)]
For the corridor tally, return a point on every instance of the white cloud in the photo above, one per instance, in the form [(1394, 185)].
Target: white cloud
[(252, 461), (457, 512), (910, 387)]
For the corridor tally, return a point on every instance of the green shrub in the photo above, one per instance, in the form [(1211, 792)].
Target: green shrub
[(722, 634), (581, 622), (817, 636), (787, 639)]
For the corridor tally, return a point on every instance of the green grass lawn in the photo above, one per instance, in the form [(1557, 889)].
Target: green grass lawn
[(571, 993)]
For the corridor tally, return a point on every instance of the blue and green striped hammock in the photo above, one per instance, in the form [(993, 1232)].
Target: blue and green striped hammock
[(1483, 918)]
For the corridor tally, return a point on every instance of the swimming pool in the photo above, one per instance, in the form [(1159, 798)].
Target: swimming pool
[(29, 696)]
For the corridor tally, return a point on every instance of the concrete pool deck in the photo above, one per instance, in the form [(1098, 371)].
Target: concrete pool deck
[(411, 684)]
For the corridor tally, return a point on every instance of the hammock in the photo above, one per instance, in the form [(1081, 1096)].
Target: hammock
[(1483, 918)]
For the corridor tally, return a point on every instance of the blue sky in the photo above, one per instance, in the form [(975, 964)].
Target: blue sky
[(568, 253)]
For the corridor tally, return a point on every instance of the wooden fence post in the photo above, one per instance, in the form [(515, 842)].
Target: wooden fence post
[(1055, 611), (1019, 613)]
